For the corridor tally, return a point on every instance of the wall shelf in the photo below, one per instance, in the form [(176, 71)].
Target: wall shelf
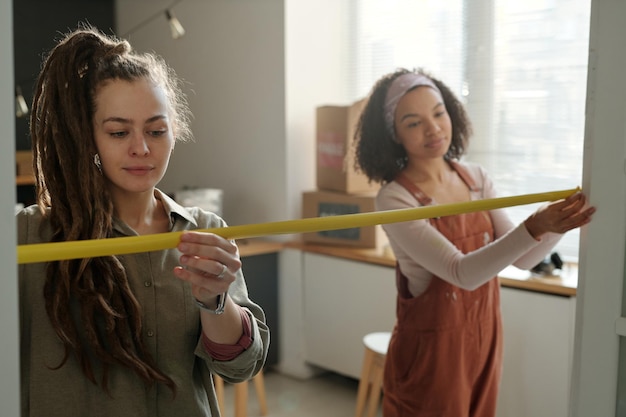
[(24, 180)]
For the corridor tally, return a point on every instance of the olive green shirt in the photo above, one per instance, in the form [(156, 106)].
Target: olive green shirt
[(171, 327)]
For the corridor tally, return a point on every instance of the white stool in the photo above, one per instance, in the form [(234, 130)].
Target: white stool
[(371, 382), (241, 395)]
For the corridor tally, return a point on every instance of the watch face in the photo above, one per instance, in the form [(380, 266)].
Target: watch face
[(220, 303)]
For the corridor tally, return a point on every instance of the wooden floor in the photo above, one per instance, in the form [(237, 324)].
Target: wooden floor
[(328, 395)]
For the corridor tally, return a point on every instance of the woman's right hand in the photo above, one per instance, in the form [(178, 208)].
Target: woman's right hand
[(560, 216)]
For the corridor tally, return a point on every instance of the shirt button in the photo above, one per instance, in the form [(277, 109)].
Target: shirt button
[(147, 284), (150, 333)]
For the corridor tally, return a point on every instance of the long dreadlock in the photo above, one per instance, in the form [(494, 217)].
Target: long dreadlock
[(89, 301)]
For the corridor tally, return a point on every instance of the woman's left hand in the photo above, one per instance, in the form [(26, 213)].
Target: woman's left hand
[(209, 262)]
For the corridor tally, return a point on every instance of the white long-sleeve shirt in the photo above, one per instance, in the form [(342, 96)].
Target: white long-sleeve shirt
[(423, 252)]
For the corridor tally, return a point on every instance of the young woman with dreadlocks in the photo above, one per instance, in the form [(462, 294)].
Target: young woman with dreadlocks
[(132, 335)]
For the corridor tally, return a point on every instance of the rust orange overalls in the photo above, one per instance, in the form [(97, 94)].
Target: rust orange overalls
[(445, 353)]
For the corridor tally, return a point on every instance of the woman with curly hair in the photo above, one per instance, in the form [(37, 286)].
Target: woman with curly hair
[(132, 335), (445, 354)]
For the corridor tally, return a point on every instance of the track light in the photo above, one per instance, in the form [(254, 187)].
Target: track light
[(21, 108), (175, 26)]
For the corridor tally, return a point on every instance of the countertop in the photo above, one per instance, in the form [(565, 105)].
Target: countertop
[(252, 247), (563, 284)]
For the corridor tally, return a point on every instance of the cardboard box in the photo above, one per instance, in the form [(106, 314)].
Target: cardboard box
[(331, 203), (335, 127), (23, 163)]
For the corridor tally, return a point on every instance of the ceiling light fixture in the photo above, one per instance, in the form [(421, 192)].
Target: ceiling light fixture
[(176, 27), (21, 108)]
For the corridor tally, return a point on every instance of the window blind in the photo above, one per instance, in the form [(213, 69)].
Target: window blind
[(520, 68)]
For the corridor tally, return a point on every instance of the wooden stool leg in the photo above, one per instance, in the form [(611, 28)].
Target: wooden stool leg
[(377, 383), (241, 395), (259, 385), (364, 383), (241, 399), (219, 392)]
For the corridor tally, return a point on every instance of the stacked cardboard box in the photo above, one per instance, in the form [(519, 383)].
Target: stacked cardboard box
[(340, 188), (335, 127)]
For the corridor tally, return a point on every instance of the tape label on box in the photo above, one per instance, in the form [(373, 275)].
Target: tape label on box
[(331, 150)]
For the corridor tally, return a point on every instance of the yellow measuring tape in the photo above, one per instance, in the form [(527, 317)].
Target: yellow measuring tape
[(46, 252)]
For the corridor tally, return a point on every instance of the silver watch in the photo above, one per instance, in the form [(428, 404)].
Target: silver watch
[(221, 303)]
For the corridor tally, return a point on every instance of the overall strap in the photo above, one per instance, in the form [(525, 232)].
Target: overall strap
[(424, 199), (465, 175), (421, 197)]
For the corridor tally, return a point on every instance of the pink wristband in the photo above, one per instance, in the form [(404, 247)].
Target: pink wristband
[(223, 352)]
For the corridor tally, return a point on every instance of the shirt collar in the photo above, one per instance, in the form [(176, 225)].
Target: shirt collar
[(172, 208)]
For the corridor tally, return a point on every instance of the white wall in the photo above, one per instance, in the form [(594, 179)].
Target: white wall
[(232, 57), (316, 43), (9, 340), (256, 76)]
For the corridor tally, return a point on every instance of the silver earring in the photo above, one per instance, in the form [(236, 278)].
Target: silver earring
[(97, 162)]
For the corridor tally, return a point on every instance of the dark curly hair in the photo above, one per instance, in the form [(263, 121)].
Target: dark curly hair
[(378, 156)]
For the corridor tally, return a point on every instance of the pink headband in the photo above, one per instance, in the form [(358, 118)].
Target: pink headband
[(398, 88)]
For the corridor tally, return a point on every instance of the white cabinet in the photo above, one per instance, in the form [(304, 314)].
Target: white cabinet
[(538, 352), (329, 303), (343, 301)]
